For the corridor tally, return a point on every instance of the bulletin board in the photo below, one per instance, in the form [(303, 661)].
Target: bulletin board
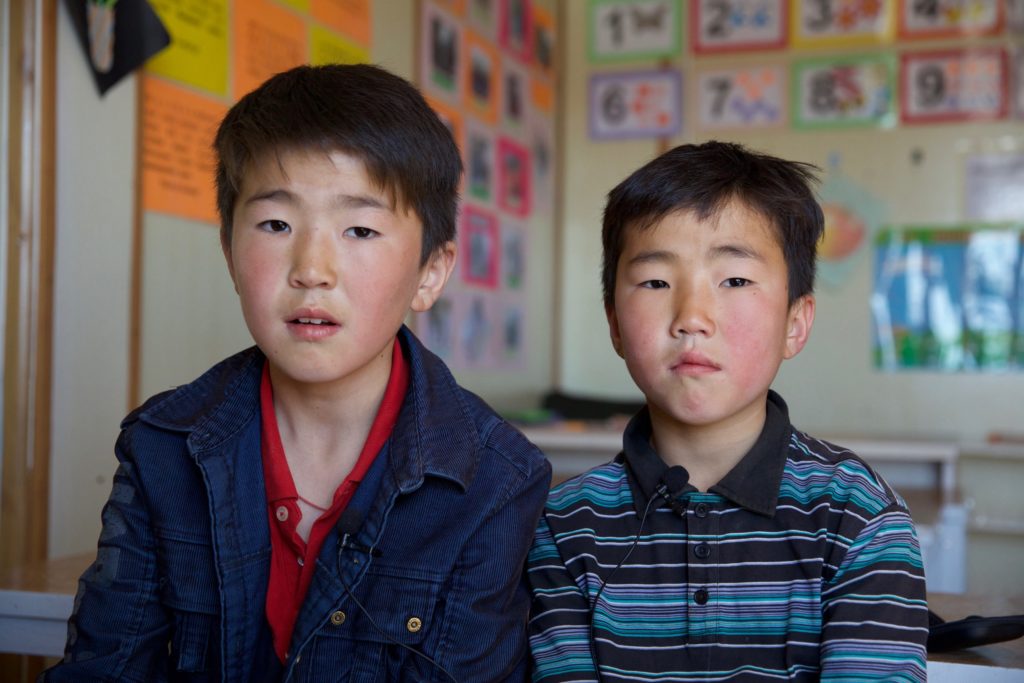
[(184, 314), (487, 68), (912, 111)]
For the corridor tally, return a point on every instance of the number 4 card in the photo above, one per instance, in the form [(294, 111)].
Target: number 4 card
[(735, 25), (954, 85)]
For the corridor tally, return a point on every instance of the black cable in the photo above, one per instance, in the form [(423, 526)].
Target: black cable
[(381, 631), (605, 582)]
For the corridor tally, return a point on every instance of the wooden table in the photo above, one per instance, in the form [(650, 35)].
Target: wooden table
[(35, 602)]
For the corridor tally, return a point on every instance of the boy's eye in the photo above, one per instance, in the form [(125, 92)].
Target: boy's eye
[(275, 225), (361, 232), (654, 284), (736, 282)]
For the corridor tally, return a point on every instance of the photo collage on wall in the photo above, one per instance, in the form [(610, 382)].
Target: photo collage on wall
[(881, 71), (486, 67)]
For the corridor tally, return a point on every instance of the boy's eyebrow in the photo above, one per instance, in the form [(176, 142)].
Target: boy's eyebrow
[(341, 201), (653, 256), (735, 251)]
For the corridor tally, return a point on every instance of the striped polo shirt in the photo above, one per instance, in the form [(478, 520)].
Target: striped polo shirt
[(800, 564)]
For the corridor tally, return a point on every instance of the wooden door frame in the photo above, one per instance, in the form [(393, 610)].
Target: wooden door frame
[(28, 296)]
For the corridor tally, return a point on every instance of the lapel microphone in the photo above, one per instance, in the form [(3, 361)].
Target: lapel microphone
[(348, 525), (673, 483)]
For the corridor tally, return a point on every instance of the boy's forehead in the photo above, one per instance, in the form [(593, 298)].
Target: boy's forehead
[(278, 164), (733, 219)]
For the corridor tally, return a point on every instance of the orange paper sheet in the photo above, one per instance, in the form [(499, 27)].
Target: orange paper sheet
[(268, 39), (350, 17), (177, 161)]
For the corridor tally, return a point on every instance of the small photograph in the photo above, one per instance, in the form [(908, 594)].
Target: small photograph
[(480, 247), (483, 17), (450, 117), (476, 330), (542, 150), (515, 84), (516, 28), (437, 327), (481, 98), (513, 255), (544, 41), (441, 46), (479, 153), (513, 177), (511, 338)]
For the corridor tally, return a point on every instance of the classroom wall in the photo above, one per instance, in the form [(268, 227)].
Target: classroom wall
[(190, 317), (831, 387)]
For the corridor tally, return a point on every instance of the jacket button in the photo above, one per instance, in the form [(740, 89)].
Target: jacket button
[(414, 625), (338, 618)]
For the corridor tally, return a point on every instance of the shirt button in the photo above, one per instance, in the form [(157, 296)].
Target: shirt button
[(414, 625), (703, 551), (701, 510), (302, 562), (281, 513), (338, 618), (700, 596)]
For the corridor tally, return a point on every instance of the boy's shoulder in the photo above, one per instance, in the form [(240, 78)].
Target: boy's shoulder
[(185, 406), (818, 467), (602, 487)]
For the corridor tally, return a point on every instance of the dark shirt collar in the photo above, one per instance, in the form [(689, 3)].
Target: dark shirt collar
[(753, 483)]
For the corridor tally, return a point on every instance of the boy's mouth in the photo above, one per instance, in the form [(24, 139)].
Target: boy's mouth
[(312, 321)]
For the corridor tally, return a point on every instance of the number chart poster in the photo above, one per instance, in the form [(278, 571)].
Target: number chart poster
[(949, 299), (486, 66), (188, 87)]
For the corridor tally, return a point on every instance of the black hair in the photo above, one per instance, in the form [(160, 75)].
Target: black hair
[(360, 110), (703, 179)]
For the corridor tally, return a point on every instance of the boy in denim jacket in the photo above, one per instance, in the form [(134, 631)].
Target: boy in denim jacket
[(328, 505)]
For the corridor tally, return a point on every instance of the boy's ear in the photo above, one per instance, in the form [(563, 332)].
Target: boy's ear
[(798, 327), (613, 329), (433, 276)]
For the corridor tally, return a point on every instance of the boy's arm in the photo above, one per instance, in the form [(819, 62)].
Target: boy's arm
[(874, 610), (485, 639), (118, 630), (559, 616)]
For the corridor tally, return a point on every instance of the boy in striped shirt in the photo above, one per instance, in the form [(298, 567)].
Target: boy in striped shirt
[(721, 543)]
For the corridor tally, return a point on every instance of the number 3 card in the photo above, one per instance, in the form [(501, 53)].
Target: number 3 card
[(954, 85)]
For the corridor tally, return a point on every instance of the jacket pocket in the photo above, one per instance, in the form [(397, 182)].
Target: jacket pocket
[(397, 609), (188, 589)]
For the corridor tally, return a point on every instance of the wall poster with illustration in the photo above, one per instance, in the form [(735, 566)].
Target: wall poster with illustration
[(487, 68)]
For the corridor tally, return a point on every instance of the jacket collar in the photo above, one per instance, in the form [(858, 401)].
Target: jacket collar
[(753, 483), (435, 433)]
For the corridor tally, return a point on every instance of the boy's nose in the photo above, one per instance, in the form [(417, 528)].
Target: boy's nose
[(693, 313), (312, 261)]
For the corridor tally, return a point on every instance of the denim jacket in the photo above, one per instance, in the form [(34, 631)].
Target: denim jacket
[(429, 558)]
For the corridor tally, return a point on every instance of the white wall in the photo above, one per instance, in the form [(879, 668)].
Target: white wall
[(831, 387)]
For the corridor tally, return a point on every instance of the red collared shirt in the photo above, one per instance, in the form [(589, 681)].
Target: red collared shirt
[(292, 560)]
